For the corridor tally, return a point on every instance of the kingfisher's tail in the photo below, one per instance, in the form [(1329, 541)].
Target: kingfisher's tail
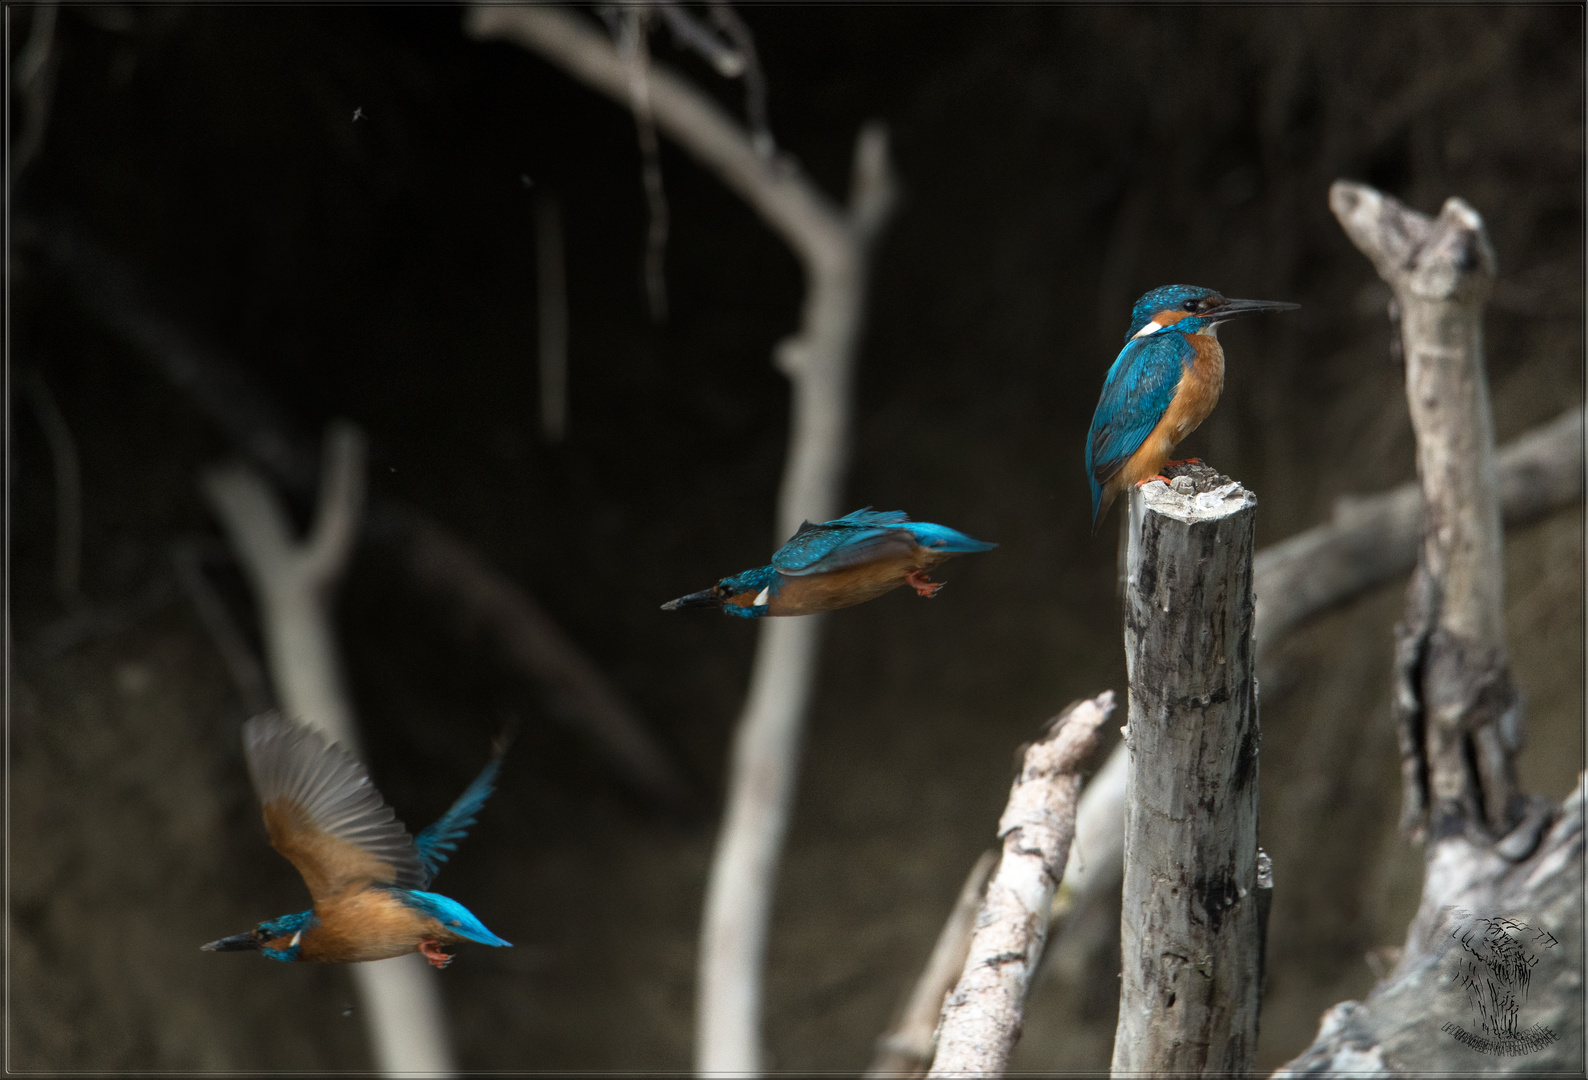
[(943, 538), (1102, 499)]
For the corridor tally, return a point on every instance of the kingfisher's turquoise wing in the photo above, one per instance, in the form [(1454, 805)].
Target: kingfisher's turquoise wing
[(437, 842), (1137, 393), (858, 537), (323, 812)]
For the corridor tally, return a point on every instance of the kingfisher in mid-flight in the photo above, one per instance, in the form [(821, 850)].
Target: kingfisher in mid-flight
[(364, 872), (838, 563), (1164, 382)]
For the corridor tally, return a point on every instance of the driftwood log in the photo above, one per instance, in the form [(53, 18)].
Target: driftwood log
[(981, 1019), (1490, 932), (1191, 933), (295, 585), (833, 244)]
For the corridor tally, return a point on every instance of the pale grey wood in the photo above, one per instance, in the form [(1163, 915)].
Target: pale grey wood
[(295, 584), (907, 1047), (1372, 539), (834, 245), (1189, 983), (1452, 673), (981, 1018), (1401, 1027)]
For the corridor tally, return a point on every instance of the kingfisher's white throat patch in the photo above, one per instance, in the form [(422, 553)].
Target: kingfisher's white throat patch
[(760, 597)]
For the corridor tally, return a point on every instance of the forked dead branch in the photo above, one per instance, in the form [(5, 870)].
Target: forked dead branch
[(295, 584)]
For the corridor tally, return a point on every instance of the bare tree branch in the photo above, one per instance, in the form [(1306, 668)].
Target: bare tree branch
[(833, 245), (1374, 538), (551, 317), (68, 488), (981, 1019), (294, 582), (1499, 882)]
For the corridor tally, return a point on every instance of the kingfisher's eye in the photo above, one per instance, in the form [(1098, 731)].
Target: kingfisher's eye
[(1192, 305)]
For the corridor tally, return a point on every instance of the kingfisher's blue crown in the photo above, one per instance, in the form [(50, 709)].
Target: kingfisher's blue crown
[(749, 581), (285, 926), (1170, 298)]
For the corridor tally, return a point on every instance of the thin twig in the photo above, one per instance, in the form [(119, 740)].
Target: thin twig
[(68, 490), (551, 313), (634, 48), (35, 79), (723, 14)]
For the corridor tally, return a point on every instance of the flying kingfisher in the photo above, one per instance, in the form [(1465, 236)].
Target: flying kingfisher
[(1164, 382), (838, 563), (362, 868)]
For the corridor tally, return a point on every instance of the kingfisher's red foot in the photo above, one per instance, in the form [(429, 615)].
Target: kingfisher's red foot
[(1187, 461), (1152, 479), (923, 585), (431, 950)]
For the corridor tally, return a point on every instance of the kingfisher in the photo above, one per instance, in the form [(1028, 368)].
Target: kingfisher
[(1164, 382), (363, 870), (838, 563)]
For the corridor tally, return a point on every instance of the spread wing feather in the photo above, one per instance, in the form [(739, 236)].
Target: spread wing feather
[(436, 842), (1137, 393), (324, 813), (854, 538)]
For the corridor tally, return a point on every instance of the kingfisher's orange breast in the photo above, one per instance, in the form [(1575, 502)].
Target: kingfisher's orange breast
[(851, 585), (1201, 383), (368, 924)]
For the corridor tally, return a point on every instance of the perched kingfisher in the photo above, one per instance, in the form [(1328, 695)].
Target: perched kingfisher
[(838, 563), (1164, 382), (362, 868)]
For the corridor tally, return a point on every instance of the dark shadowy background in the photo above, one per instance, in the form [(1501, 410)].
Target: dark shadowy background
[(1056, 162)]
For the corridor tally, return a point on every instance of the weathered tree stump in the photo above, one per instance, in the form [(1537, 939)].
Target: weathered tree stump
[(1190, 934), (1459, 714)]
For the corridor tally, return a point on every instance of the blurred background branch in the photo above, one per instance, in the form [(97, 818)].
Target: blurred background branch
[(295, 584)]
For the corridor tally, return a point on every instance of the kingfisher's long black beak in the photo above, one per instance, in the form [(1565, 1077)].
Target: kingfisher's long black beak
[(1231, 309), (703, 598), (235, 943)]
